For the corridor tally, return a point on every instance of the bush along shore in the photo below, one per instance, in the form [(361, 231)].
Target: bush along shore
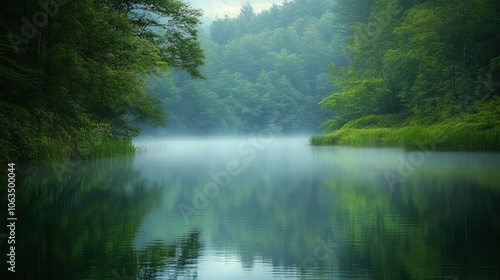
[(51, 150), (439, 138), (417, 70), (478, 129), (84, 94), (94, 140)]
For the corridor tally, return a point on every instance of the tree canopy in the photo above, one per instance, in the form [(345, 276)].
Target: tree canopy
[(76, 71), (264, 70), (424, 61)]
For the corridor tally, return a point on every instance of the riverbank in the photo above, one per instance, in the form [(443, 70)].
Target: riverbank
[(438, 138), (56, 151), (474, 130), (50, 150)]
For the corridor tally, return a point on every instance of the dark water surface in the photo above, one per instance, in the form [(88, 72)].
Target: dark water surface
[(259, 208)]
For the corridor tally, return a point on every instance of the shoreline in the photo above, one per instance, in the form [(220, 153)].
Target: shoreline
[(412, 138)]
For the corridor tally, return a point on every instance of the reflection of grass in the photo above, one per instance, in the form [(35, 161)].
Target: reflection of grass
[(439, 137), (357, 166)]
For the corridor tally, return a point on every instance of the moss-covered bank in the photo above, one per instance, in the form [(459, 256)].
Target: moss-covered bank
[(437, 137), (476, 128)]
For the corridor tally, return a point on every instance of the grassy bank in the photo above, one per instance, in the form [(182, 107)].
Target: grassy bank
[(436, 137), (472, 128), (51, 150)]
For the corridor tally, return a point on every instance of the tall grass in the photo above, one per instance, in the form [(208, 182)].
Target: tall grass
[(47, 149), (439, 138), (323, 140), (112, 148), (369, 137), (52, 150)]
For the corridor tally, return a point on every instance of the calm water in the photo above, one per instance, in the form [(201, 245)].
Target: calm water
[(260, 208)]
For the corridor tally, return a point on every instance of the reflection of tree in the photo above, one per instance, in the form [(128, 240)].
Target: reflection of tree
[(257, 217), (437, 221), (82, 226), (177, 260), (254, 218)]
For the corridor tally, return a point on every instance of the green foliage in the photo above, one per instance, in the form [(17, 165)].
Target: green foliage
[(112, 148), (462, 138), (426, 63), (263, 70), (358, 99), (373, 121), (17, 132), (79, 81), (47, 149)]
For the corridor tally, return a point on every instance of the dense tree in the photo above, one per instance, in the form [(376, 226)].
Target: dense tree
[(223, 30), (417, 60), (74, 69), (267, 70)]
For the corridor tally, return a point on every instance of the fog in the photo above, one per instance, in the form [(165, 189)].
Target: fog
[(261, 203), (231, 8)]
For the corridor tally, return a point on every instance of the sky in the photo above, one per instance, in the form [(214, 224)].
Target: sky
[(220, 8)]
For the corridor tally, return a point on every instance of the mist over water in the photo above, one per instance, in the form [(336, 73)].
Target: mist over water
[(264, 207), (286, 194)]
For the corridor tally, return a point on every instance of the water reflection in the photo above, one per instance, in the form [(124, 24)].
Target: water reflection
[(81, 225), (172, 261), (291, 212), (437, 223)]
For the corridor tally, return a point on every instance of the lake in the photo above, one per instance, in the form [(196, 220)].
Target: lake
[(260, 207)]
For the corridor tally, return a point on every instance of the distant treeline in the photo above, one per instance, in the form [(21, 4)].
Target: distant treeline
[(264, 70)]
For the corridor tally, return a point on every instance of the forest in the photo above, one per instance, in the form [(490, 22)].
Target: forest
[(419, 72), (136, 129), (264, 70), (73, 73), (369, 73), (88, 76)]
